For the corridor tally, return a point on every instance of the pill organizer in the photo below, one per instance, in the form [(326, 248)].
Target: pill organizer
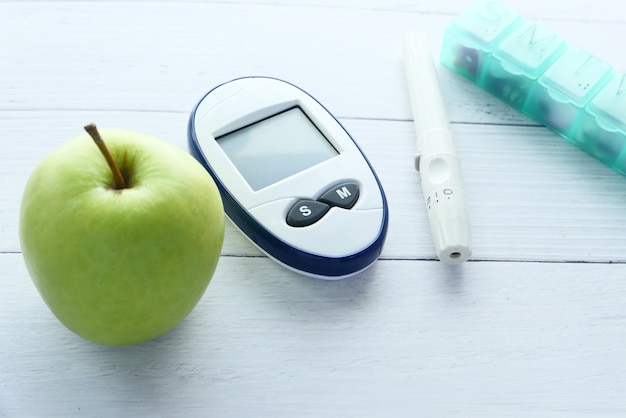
[(539, 73)]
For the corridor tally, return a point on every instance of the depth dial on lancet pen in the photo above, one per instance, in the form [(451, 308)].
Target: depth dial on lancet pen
[(439, 195), (306, 212)]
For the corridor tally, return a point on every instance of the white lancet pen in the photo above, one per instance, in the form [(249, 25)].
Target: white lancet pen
[(436, 158)]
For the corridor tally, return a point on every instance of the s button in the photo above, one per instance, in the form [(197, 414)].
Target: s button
[(306, 212)]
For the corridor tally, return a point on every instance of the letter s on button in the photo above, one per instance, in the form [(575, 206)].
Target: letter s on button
[(305, 211)]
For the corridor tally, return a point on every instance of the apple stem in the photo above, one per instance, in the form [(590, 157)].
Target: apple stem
[(117, 174)]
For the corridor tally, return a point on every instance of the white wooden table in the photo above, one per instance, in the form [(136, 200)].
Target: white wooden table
[(533, 325)]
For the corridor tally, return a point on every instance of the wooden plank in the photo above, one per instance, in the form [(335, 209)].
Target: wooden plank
[(164, 56), (582, 10), (532, 196), (405, 339)]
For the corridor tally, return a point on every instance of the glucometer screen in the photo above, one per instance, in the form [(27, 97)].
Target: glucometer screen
[(276, 147)]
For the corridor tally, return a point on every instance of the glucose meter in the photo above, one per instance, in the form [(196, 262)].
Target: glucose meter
[(290, 176)]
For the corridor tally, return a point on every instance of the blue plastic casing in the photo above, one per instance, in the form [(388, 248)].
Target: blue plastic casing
[(296, 259), (537, 72)]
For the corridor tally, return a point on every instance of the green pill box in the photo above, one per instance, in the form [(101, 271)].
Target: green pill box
[(537, 72)]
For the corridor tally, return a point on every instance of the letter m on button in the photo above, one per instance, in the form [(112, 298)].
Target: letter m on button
[(343, 195), (343, 192)]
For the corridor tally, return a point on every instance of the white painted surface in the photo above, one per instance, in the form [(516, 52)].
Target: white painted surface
[(534, 325)]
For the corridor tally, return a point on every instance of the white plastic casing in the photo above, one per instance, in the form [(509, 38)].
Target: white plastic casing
[(436, 158), (340, 233)]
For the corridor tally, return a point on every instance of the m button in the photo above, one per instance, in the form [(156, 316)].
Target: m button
[(343, 195)]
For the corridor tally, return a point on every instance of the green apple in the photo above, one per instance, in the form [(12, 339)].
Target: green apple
[(120, 264)]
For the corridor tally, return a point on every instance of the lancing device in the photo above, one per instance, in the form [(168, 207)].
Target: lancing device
[(436, 158)]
